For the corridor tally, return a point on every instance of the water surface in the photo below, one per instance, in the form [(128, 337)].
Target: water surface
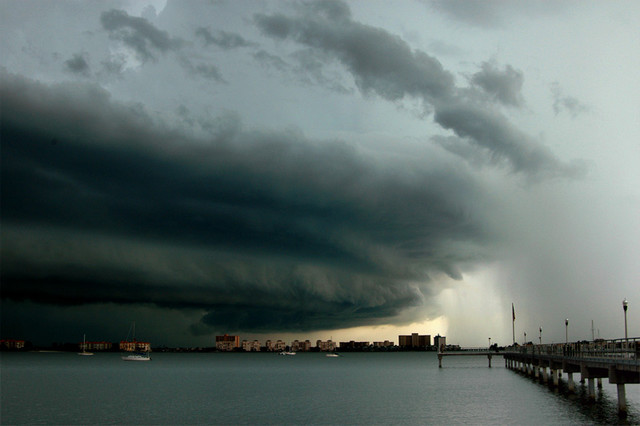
[(309, 388)]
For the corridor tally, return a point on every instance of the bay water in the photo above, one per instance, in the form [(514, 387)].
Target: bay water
[(308, 388)]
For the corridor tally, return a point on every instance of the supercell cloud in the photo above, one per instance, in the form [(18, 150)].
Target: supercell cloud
[(263, 230), (269, 167)]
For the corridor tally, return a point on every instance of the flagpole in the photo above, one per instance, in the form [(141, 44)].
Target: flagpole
[(513, 323)]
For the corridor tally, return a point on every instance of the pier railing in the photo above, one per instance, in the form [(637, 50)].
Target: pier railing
[(620, 350)]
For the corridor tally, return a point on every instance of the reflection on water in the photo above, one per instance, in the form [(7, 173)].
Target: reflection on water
[(601, 410)]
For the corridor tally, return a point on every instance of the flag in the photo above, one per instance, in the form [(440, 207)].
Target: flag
[(513, 312)]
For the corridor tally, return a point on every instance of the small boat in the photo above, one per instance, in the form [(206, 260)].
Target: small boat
[(140, 356), (84, 347), (287, 353), (333, 355), (136, 356)]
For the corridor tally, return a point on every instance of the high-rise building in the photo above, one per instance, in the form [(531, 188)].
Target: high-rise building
[(440, 342), (414, 341)]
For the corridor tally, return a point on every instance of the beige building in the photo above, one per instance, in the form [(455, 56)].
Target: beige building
[(277, 346), (297, 346), (327, 346), (251, 346), (227, 343), (385, 344)]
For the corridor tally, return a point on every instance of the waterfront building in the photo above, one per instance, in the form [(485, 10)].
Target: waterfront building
[(297, 346), (12, 344), (251, 346), (414, 341), (135, 346), (440, 342), (95, 346), (353, 345), (328, 346), (385, 344), (277, 346), (227, 343)]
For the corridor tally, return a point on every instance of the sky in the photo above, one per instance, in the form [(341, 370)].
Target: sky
[(319, 169)]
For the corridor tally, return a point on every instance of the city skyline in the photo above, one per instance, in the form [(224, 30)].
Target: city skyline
[(318, 169)]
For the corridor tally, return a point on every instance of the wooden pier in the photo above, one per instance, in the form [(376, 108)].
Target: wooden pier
[(618, 360)]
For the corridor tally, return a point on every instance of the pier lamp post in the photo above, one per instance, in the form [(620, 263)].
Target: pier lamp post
[(489, 343), (566, 330), (624, 306), (540, 335), (525, 337)]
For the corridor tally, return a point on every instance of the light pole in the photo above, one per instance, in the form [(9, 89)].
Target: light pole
[(540, 335), (525, 338), (489, 343), (624, 306), (566, 330)]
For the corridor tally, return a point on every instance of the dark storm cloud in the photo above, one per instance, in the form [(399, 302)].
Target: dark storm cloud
[(263, 230), (222, 39), (384, 64), (503, 86), (77, 64), (138, 33)]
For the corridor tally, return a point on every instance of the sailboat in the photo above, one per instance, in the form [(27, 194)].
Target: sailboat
[(84, 346), (136, 356)]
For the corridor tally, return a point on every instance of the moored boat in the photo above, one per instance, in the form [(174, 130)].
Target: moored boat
[(84, 347), (140, 350), (141, 356)]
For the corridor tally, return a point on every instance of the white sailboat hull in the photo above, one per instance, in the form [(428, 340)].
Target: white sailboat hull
[(136, 357)]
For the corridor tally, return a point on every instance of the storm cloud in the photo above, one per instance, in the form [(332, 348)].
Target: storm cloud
[(138, 34), (384, 64), (292, 170), (263, 230)]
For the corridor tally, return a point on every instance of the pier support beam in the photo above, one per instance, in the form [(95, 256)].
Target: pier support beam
[(620, 377), (622, 398), (570, 368), (592, 389), (489, 356), (570, 384)]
